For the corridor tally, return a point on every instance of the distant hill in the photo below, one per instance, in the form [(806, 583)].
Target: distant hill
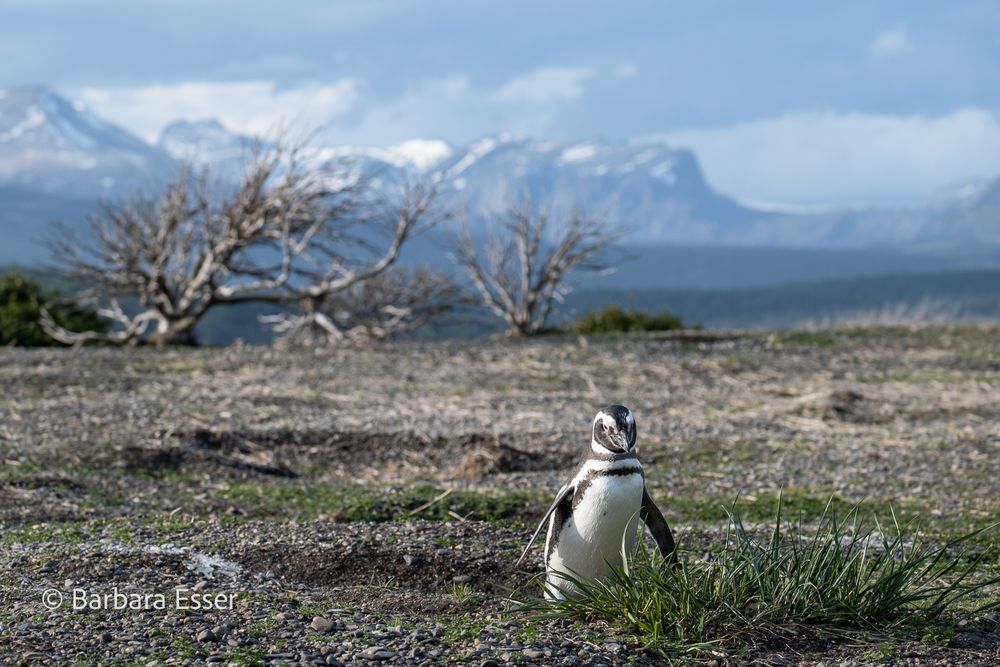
[(919, 297)]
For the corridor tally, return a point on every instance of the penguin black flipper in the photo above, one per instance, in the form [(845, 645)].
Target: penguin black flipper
[(653, 518), (565, 492)]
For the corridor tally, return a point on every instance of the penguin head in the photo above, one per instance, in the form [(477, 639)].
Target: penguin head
[(614, 430)]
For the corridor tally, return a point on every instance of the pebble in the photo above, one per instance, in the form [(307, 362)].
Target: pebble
[(320, 624)]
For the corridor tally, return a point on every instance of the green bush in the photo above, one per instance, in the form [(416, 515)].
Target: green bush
[(615, 319), (21, 303), (844, 573)]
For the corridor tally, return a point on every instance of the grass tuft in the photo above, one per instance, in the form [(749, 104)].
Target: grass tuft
[(615, 319), (844, 573)]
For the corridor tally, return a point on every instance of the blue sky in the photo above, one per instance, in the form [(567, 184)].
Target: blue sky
[(797, 102)]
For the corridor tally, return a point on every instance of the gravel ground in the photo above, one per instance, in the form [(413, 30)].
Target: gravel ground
[(367, 505)]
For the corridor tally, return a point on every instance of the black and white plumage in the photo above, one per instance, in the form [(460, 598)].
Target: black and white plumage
[(594, 518)]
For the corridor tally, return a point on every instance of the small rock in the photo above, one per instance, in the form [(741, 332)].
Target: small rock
[(490, 663), (461, 578), (206, 636), (411, 560), (320, 624), (378, 653), (106, 637), (533, 654)]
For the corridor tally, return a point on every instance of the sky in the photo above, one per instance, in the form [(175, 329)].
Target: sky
[(839, 103)]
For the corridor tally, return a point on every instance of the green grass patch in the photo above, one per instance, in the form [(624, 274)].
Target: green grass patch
[(463, 629), (247, 656), (355, 503), (615, 319), (807, 338), (762, 507), (847, 572)]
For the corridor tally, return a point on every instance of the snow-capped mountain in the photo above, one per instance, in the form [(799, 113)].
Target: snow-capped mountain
[(657, 192), (205, 143), (60, 151), (49, 143)]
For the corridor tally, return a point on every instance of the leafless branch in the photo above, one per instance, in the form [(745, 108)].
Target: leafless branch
[(527, 260), (287, 231), (392, 303)]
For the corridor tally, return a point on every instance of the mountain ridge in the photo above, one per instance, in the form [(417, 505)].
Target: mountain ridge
[(658, 192)]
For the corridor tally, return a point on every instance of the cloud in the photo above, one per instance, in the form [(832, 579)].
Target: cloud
[(545, 84), (454, 109), (247, 107), (448, 107), (826, 157), (891, 42)]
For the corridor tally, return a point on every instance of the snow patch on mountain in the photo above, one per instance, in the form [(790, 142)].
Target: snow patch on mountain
[(577, 153), (423, 154), (479, 150)]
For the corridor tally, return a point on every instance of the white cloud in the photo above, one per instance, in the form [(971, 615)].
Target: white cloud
[(891, 42), (449, 107), (546, 84), (453, 108), (824, 156), (248, 107)]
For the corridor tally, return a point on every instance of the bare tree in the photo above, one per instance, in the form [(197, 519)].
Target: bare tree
[(285, 232), (395, 302), (528, 258)]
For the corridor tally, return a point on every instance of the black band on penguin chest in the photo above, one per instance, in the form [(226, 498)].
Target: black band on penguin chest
[(581, 488)]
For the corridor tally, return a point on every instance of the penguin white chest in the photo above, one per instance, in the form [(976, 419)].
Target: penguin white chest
[(606, 512)]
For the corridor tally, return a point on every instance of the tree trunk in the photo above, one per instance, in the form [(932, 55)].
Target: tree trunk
[(174, 332)]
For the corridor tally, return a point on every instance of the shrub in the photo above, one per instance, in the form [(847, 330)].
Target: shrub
[(615, 319), (21, 300), (844, 573)]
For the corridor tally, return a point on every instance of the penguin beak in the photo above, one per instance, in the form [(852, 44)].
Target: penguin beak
[(621, 439)]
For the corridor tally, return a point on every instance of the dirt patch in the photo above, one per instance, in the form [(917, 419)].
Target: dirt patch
[(377, 566), (357, 454), (429, 571), (489, 455), (846, 405), (156, 461)]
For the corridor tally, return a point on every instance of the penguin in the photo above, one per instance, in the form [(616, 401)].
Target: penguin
[(594, 518)]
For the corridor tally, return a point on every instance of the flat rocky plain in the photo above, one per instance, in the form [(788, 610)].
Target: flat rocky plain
[(368, 504)]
